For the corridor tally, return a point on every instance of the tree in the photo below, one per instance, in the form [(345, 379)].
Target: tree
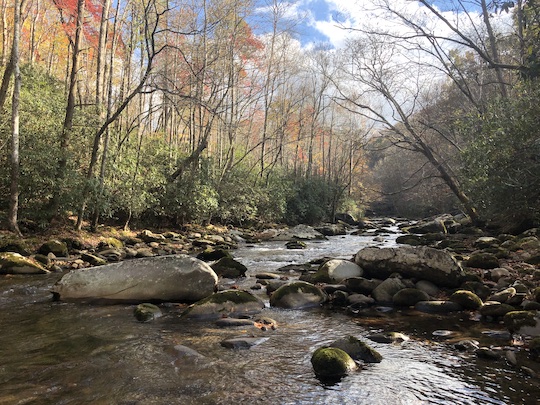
[(14, 189), (389, 91)]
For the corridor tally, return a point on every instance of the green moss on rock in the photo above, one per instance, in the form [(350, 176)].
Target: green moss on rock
[(225, 303), (298, 294), (467, 299), (56, 247), (14, 263), (331, 362), (515, 320), (358, 350)]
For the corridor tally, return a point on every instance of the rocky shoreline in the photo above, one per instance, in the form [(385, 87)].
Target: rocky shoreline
[(439, 267)]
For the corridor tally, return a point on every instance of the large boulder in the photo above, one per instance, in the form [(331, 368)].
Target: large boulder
[(56, 247), (297, 295), (358, 350), (337, 270), (14, 263), (229, 268), (420, 262), (232, 303), (175, 278)]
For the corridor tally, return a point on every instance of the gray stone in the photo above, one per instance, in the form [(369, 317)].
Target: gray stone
[(421, 262), (233, 303), (387, 289), (177, 278), (337, 270), (361, 285), (437, 307), (297, 295), (299, 232), (242, 342), (409, 296)]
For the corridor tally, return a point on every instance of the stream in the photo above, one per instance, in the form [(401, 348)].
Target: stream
[(66, 353)]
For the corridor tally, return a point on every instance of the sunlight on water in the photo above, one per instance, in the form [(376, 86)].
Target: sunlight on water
[(57, 353)]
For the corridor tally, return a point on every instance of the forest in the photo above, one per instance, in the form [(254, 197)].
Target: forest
[(212, 111)]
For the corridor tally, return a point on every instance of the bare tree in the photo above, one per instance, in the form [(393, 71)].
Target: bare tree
[(14, 187)]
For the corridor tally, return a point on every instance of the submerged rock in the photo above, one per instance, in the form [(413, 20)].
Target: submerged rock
[(421, 262), (242, 342), (176, 278), (297, 295), (231, 303), (358, 350), (437, 307), (147, 312), (388, 337), (331, 362), (14, 263)]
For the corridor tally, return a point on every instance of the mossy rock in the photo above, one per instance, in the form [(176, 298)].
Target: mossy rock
[(536, 294), (409, 296), (14, 246), (477, 287), (515, 320), (358, 350), (467, 299), (296, 244), (495, 309), (14, 263), (93, 259), (534, 260), (332, 362), (297, 295), (147, 312), (110, 243), (483, 260), (56, 247), (211, 254), (229, 268), (231, 303)]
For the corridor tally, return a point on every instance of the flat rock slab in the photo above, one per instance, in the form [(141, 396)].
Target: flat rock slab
[(175, 278)]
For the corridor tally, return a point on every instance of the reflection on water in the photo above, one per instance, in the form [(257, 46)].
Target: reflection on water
[(58, 353)]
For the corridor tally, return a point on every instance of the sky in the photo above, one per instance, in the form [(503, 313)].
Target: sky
[(323, 21)]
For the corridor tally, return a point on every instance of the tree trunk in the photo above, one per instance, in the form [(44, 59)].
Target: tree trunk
[(14, 186), (70, 112)]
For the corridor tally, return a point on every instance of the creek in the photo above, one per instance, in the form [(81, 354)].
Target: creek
[(66, 353)]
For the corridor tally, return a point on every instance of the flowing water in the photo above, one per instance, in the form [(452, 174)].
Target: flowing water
[(65, 353)]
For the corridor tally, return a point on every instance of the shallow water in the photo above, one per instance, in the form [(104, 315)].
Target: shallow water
[(64, 353)]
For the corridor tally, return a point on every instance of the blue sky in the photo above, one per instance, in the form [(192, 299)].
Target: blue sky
[(318, 20)]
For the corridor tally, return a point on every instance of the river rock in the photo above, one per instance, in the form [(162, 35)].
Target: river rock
[(229, 268), (56, 247), (243, 342), (361, 285), (233, 303), (503, 296), (407, 297), (211, 254), (358, 350), (299, 232), (387, 289), (437, 307), (147, 312), (466, 299), (93, 259), (296, 244), (297, 295), (176, 278), (331, 363), (495, 309), (234, 322), (148, 236), (428, 287), (359, 301), (421, 262), (523, 322), (483, 260), (388, 337), (337, 270), (14, 263), (332, 229)]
